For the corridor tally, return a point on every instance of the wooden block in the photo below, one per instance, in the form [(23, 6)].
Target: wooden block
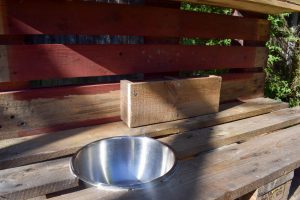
[(145, 103)]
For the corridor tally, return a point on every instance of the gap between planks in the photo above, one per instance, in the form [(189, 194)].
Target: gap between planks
[(25, 150)]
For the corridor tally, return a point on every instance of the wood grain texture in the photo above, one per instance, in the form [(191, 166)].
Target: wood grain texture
[(193, 142), (25, 150), (61, 17), (277, 188), (46, 110), (279, 193), (40, 115), (33, 180), (264, 6), (241, 87), (221, 174), (144, 103), (66, 61)]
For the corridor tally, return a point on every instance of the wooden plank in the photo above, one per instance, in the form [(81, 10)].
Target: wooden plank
[(61, 17), (195, 141), (279, 193), (277, 189), (49, 110), (223, 174), (29, 182), (242, 86), (220, 175), (262, 6), (144, 103), (25, 150), (66, 61), (36, 111)]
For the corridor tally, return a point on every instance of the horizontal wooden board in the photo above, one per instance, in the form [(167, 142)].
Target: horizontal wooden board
[(221, 174), (81, 17), (67, 61), (45, 110), (262, 6), (150, 102), (20, 151)]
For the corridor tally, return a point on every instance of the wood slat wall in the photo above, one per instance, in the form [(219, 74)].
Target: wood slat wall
[(35, 111)]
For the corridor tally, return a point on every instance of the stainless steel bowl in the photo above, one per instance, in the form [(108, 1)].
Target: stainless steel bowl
[(124, 162)]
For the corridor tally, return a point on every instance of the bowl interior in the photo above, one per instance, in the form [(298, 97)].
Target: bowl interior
[(123, 161)]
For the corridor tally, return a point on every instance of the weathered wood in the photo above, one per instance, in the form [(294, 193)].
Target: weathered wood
[(220, 175), (144, 103), (34, 180), (193, 142), (279, 193), (61, 17), (240, 87), (36, 111), (277, 189), (262, 6), (24, 117), (223, 174), (66, 61), (20, 151)]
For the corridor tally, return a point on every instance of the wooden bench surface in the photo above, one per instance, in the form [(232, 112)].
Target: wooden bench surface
[(225, 173)]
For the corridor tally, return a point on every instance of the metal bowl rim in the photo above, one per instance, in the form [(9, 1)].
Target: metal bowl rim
[(133, 186)]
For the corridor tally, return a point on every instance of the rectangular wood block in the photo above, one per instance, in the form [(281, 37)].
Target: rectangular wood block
[(144, 103)]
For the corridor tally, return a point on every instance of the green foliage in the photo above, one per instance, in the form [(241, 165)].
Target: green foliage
[(205, 9), (282, 81), (205, 42)]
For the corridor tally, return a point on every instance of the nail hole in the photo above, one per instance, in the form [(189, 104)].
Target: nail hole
[(12, 117), (120, 54), (22, 124), (0, 126)]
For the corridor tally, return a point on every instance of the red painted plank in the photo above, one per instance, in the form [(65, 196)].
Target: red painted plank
[(35, 62), (9, 86), (69, 125), (92, 18)]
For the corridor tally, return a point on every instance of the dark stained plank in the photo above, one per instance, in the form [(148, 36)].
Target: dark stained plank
[(66, 61), (92, 18)]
